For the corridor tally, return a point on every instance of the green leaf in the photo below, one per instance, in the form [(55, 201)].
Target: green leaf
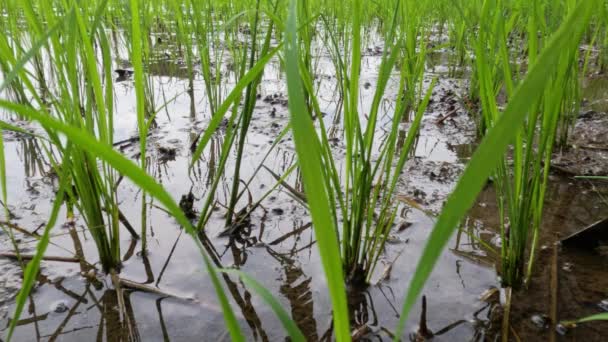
[(138, 69), (311, 167), (598, 317)]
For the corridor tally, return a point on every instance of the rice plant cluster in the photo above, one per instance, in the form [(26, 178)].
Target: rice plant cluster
[(522, 58)]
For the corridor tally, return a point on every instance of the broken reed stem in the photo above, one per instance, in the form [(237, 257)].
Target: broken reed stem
[(28, 257), (506, 313), (554, 291)]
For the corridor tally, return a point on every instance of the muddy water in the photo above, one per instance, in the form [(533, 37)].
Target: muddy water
[(73, 302)]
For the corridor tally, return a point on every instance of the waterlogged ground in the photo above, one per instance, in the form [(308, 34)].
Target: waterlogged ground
[(74, 302)]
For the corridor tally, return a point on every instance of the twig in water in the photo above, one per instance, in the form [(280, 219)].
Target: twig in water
[(290, 234), (554, 284), (446, 116), (11, 255), (423, 331)]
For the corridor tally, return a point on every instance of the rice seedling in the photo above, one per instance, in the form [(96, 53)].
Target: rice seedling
[(85, 149), (249, 76), (364, 200), (81, 137), (522, 177), (92, 192)]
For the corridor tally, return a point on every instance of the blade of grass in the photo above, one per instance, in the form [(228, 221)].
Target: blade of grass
[(598, 317), (3, 177), (311, 166), (138, 69), (289, 325)]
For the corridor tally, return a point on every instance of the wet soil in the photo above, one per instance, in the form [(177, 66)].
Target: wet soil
[(586, 151), (74, 302), (580, 274)]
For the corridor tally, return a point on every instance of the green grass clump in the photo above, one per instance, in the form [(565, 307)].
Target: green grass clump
[(522, 176), (362, 196)]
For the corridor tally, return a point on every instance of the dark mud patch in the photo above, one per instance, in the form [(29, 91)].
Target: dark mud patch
[(428, 183), (587, 150)]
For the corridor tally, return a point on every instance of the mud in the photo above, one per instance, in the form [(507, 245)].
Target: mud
[(581, 273), (587, 150)]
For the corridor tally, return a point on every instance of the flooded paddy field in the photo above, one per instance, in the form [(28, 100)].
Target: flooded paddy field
[(161, 291)]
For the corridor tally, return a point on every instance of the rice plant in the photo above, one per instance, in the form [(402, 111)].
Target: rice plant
[(81, 105), (489, 154), (88, 129), (362, 197), (522, 177)]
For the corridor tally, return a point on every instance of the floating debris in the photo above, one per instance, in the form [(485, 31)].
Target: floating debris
[(490, 295), (123, 74), (166, 153), (542, 321), (59, 306), (187, 205), (603, 305), (405, 225), (561, 329), (278, 211)]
